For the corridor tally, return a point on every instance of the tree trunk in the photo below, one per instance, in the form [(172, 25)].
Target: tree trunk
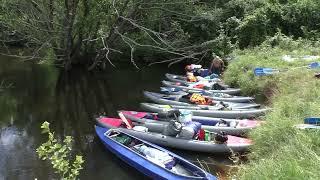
[(70, 13)]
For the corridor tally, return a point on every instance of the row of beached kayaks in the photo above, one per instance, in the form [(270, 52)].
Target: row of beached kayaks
[(221, 127)]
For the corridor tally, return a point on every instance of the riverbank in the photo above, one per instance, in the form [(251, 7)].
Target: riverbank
[(280, 151)]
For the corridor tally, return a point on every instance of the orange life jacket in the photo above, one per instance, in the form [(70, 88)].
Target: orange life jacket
[(198, 99), (191, 78)]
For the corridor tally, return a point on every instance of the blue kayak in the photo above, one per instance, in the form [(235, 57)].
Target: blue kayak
[(132, 150)]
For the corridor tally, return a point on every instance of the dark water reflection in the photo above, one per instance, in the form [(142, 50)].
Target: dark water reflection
[(69, 101)]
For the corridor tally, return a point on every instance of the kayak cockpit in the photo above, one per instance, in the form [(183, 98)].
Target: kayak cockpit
[(220, 123), (156, 155)]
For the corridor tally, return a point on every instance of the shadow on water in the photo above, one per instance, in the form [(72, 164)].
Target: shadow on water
[(70, 101)]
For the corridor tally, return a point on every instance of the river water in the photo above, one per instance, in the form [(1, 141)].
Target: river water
[(33, 93)]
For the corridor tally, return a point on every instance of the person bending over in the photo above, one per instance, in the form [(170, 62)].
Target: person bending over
[(217, 66)]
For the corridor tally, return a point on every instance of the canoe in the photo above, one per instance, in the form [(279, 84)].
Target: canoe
[(207, 111), (231, 91), (232, 127), (204, 73), (183, 79), (164, 115), (233, 144), (176, 100), (307, 126), (133, 155), (215, 96)]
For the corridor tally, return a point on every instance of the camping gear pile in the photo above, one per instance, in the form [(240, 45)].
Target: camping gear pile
[(204, 115)]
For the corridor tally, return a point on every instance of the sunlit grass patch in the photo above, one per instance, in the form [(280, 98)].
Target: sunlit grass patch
[(280, 151)]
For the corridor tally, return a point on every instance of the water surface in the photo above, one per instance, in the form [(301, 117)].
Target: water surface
[(70, 101)]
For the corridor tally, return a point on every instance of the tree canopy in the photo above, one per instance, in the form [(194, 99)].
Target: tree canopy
[(153, 31)]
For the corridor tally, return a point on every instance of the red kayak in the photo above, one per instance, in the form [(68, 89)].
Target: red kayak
[(229, 126), (153, 132)]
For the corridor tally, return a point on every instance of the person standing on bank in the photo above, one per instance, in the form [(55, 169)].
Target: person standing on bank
[(217, 66)]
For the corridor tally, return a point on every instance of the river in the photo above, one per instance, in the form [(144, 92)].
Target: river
[(36, 93)]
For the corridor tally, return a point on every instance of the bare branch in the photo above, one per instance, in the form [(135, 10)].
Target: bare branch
[(108, 51), (150, 46), (204, 55), (131, 52)]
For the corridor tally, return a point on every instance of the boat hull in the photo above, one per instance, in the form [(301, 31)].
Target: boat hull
[(141, 164), (160, 98), (242, 128), (180, 91), (231, 114), (234, 144), (231, 91)]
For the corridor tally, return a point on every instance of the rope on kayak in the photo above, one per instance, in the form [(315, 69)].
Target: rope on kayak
[(205, 168)]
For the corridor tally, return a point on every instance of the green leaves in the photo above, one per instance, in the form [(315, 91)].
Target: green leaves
[(45, 127), (60, 154)]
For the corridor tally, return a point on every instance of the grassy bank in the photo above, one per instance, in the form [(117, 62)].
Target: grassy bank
[(280, 151)]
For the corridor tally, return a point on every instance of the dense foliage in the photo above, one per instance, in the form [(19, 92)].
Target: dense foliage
[(171, 31)]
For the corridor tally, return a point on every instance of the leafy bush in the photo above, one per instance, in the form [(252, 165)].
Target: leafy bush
[(293, 18), (59, 155)]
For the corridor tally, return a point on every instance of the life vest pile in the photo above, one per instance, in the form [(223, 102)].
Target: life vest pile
[(198, 99), (191, 78)]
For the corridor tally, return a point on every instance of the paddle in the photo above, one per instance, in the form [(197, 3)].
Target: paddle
[(125, 120), (312, 120), (265, 71), (314, 65), (260, 71), (309, 123), (306, 126)]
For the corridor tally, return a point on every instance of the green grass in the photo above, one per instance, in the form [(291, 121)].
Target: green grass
[(280, 151)]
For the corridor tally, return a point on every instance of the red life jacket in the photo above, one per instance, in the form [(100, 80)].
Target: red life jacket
[(199, 86)]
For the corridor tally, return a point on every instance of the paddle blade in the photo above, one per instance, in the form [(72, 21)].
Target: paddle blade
[(125, 120), (314, 65), (312, 120), (264, 71), (164, 90)]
